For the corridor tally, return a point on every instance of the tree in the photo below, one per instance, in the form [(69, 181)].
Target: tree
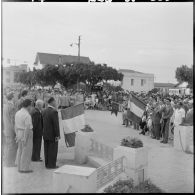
[(185, 74), (70, 74), (49, 75), (27, 78)]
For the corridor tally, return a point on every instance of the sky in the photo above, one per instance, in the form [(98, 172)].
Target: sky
[(146, 37)]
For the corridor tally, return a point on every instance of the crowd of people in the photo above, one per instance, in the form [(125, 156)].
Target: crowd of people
[(163, 114), (32, 115), (28, 117)]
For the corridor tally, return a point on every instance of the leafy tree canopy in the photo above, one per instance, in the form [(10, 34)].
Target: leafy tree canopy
[(185, 74), (69, 74)]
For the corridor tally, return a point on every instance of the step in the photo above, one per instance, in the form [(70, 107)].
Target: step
[(97, 161)]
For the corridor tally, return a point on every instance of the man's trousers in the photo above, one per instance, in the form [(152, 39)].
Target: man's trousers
[(36, 153), (165, 129), (10, 151), (50, 152), (24, 153), (157, 131)]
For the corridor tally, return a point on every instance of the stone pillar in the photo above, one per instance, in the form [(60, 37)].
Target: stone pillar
[(183, 138), (135, 162), (82, 146)]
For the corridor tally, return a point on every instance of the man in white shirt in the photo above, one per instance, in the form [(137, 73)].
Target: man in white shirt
[(24, 136), (179, 115)]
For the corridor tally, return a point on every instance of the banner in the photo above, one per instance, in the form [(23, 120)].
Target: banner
[(136, 109), (73, 119)]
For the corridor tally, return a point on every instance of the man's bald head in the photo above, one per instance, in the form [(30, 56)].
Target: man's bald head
[(39, 104)]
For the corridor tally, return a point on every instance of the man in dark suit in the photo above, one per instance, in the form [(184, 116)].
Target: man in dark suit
[(37, 121), (51, 134)]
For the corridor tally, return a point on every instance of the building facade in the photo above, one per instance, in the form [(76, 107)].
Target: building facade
[(137, 81), (164, 87), (10, 74)]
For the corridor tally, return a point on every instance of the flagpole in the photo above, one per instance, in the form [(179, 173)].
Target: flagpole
[(79, 44)]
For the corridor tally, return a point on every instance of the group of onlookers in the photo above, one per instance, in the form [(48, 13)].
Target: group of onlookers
[(163, 115), (102, 100), (30, 115)]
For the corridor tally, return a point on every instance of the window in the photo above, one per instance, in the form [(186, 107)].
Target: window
[(143, 81), (132, 81), (15, 76)]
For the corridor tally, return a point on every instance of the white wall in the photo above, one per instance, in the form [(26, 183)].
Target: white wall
[(38, 66), (147, 86)]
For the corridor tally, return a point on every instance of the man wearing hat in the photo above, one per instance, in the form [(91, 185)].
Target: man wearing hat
[(8, 130)]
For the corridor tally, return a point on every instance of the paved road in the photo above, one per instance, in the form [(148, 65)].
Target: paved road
[(169, 169)]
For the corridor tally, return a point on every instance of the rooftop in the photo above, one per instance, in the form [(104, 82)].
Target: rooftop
[(164, 85), (53, 59), (130, 71)]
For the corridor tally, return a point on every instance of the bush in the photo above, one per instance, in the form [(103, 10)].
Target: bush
[(87, 128), (127, 186), (121, 186), (146, 187), (131, 142)]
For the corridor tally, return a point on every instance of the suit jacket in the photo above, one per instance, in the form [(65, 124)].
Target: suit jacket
[(37, 121), (50, 124)]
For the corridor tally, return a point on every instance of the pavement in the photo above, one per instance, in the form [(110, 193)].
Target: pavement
[(169, 169)]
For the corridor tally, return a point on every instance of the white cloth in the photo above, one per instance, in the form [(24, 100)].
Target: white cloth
[(179, 114), (23, 122), (149, 123)]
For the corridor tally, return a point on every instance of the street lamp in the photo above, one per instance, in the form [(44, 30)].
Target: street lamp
[(78, 44)]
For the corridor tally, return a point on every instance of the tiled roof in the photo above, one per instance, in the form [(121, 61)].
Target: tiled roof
[(164, 85), (53, 59)]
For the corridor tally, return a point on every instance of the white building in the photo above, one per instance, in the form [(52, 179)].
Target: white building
[(10, 74), (137, 81)]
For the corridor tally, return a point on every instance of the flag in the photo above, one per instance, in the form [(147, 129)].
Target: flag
[(136, 109), (72, 118)]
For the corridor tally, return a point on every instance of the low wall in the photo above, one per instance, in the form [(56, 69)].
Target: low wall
[(107, 173), (101, 150)]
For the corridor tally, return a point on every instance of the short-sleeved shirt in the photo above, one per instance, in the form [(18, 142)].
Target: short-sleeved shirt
[(23, 121)]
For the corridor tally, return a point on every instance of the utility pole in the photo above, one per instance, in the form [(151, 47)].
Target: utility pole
[(79, 47)]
